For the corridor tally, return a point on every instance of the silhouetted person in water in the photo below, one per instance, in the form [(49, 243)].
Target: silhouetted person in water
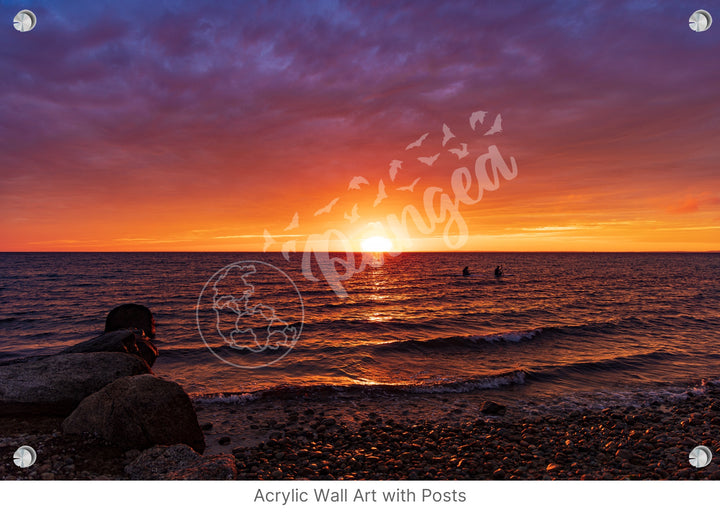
[(498, 272), (466, 271)]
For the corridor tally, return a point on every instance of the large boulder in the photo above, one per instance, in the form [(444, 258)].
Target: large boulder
[(129, 341), (138, 412), (56, 384), (129, 316), (180, 462)]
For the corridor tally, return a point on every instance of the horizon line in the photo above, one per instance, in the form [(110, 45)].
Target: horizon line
[(357, 251)]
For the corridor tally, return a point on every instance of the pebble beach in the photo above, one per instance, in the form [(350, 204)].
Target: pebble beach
[(438, 437)]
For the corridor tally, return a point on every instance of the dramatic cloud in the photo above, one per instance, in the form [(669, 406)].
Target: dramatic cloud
[(128, 124)]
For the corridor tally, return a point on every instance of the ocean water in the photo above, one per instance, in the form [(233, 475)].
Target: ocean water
[(557, 323)]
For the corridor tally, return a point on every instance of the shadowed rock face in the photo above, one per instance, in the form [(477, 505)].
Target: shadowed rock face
[(129, 341), (138, 412), (131, 315), (56, 384)]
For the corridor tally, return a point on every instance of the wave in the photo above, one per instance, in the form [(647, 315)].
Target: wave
[(7, 357), (452, 344), (519, 336), (501, 380), (444, 326), (403, 346), (509, 378), (511, 337), (196, 352), (446, 343), (639, 396), (610, 364)]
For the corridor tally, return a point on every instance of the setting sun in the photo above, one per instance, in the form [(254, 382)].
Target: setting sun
[(377, 244)]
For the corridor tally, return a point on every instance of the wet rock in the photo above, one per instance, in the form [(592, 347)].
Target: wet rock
[(129, 341), (138, 412), (685, 473), (492, 408), (56, 384), (499, 474), (129, 316)]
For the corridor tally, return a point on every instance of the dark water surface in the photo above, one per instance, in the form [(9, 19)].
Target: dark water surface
[(556, 323)]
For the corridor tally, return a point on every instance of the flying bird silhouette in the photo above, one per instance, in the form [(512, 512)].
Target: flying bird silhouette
[(447, 135), (461, 152), (417, 143), (428, 160), (356, 182), (381, 194), (287, 248), (475, 117), (409, 188), (326, 209), (293, 224), (394, 166), (269, 241), (496, 127), (353, 214)]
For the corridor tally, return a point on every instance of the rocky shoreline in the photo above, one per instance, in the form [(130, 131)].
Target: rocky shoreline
[(318, 441), (97, 403), (325, 439), (136, 426)]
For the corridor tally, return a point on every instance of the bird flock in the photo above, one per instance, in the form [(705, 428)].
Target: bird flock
[(461, 151)]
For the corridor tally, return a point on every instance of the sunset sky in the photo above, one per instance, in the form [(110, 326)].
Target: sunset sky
[(208, 125)]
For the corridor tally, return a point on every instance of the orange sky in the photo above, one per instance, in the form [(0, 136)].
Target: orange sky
[(203, 136)]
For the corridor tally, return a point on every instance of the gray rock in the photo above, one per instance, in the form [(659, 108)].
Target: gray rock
[(56, 384), (129, 341), (180, 462), (129, 316), (138, 412)]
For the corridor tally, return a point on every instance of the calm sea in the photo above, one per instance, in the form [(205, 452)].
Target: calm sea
[(556, 323)]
